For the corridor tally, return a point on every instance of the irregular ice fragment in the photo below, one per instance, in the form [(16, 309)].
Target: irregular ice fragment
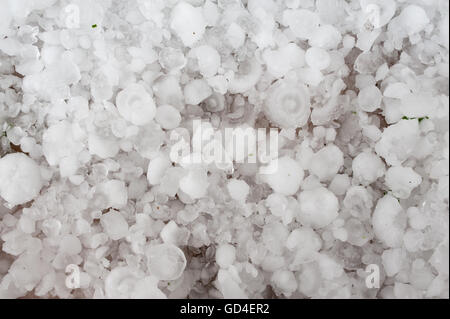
[(389, 221), (238, 190)]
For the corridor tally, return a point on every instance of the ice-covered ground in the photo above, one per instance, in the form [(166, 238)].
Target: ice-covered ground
[(94, 205)]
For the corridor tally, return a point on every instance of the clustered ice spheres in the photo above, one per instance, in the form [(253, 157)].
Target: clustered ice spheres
[(91, 92)]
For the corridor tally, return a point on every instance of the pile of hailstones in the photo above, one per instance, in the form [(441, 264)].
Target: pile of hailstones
[(92, 90)]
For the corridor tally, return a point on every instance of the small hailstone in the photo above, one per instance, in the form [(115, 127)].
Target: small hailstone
[(225, 255), (235, 36), (188, 23), (389, 221), (70, 245), (286, 178), (369, 98), (402, 180), (287, 105), (301, 22), (165, 261), (114, 225), (238, 190), (326, 163), (280, 62), (196, 92), (136, 105), (285, 281), (326, 37), (367, 168), (318, 207), (195, 184), (317, 58), (168, 117), (157, 168), (20, 178), (208, 60)]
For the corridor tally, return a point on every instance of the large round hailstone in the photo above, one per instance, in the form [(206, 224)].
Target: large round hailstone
[(326, 163), (136, 105), (165, 261), (318, 207), (287, 176), (389, 221), (20, 178), (369, 98), (188, 23), (287, 106)]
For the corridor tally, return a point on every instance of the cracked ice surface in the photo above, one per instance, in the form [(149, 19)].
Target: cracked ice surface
[(92, 91)]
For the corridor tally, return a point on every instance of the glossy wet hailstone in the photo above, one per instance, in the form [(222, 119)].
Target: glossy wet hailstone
[(21, 179), (165, 261)]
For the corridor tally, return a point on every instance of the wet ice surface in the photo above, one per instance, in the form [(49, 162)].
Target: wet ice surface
[(91, 93)]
